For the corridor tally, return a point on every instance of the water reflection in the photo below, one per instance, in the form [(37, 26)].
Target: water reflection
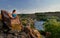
[(39, 25)]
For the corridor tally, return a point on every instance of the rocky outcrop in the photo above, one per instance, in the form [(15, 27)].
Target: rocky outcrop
[(13, 28)]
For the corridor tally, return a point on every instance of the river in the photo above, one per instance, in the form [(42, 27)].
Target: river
[(39, 25)]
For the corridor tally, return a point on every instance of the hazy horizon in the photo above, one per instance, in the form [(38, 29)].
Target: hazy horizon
[(30, 6)]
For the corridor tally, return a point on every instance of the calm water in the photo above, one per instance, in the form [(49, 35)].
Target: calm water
[(39, 25)]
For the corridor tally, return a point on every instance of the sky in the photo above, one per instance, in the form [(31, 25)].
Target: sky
[(30, 6)]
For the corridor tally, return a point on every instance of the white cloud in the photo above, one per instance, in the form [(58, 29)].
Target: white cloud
[(51, 8), (26, 11), (22, 11), (43, 9)]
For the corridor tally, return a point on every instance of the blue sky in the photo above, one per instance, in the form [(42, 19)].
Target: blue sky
[(30, 6)]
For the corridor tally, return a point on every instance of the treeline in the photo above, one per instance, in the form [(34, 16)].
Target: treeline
[(40, 15), (46, 15)]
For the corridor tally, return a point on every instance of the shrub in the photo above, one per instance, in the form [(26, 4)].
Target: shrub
[(53, 26)]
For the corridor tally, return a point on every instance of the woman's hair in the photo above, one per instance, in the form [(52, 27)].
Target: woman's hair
[(14, 10)]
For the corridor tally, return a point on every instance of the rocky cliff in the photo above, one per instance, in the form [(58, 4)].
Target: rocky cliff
[(13, 28)]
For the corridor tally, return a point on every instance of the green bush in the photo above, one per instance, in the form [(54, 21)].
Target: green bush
[(53, 26)]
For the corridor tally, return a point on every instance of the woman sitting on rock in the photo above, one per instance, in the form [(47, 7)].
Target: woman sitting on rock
[(14, 15)]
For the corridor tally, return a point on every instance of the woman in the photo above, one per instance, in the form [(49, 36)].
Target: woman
[(13, 15)]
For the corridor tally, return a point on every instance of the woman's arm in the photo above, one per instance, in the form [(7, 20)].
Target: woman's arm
[(10, 15)]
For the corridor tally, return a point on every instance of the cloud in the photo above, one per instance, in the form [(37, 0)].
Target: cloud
[(50, 8), (21, 11), (26, 11)]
